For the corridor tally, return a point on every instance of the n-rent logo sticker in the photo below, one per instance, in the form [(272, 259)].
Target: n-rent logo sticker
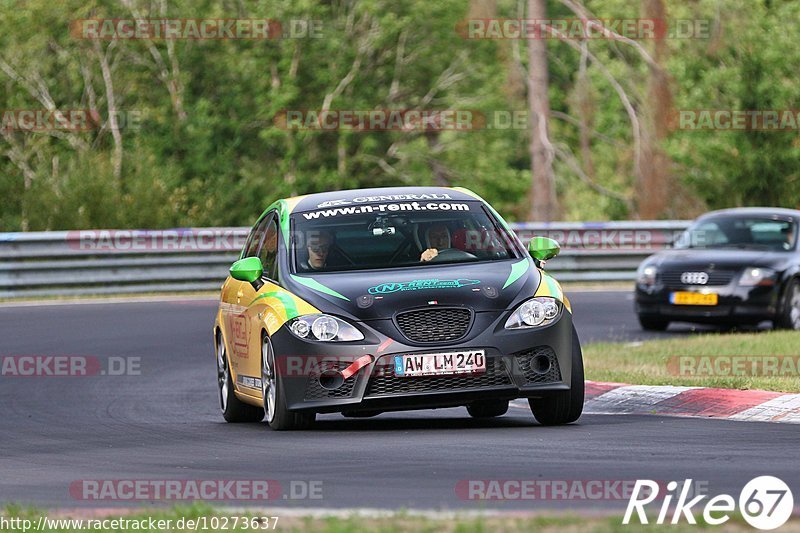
[(421, 284)]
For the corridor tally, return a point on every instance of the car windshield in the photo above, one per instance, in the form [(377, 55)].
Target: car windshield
[(397, 235), (743, 232)]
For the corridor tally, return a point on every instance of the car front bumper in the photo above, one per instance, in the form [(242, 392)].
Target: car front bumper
[(736, 305), (514, 368)]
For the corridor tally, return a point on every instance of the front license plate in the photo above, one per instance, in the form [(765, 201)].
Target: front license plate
[(693, 298), (438, 364)]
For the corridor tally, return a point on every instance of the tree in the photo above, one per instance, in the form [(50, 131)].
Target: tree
[(542, 197), (653, 188)]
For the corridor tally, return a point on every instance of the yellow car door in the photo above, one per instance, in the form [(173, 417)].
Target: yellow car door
[(241, 320)]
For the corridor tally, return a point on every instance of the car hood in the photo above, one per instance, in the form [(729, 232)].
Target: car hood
[(378, 294), (720, 259)]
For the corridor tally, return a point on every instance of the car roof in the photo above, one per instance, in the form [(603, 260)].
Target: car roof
[(324, 200), (755, 211)]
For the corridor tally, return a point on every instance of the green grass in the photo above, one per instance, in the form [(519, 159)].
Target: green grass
[(404, 521), (656, 362)]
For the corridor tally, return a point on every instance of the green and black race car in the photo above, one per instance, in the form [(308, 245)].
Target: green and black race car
[(391, 299)]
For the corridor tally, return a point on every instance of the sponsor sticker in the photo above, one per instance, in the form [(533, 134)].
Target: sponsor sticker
[(385, 208), (421, 284)]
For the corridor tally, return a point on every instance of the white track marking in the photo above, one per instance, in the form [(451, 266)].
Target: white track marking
[(632, 398), (784, 408)]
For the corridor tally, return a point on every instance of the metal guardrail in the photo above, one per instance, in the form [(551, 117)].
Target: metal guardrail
[(63, 263)]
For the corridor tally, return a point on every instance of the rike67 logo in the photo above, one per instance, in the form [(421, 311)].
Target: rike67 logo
[(765, 503)]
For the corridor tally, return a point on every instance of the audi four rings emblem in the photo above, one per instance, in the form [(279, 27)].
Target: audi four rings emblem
[(694, 278)]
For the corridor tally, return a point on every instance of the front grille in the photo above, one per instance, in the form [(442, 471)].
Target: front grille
[(385, 383), (315, 391), (672, 278), (434, 325), (538, 365)]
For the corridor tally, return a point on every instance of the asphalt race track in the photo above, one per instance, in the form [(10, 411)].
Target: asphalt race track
[(165, 424)]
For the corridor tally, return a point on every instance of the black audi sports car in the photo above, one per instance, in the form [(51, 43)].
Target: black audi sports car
[(730, 267), (378, 300)]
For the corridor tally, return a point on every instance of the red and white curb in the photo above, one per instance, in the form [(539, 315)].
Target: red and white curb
[(701, 402)]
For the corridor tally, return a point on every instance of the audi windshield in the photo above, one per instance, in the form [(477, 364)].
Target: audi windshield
[(396, 235), (777, 234)]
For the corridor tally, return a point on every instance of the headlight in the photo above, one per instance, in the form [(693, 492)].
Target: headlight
[(646, 275), (536, 312), (324, 328), (757, 276)]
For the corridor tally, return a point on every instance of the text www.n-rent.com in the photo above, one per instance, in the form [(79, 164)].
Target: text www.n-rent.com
[(383, 208)]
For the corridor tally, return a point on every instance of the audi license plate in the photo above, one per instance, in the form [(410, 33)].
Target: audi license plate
[(438, 364), (693, 298)]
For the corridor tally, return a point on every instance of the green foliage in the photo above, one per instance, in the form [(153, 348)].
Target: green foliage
[(206, 146), (752, 65)]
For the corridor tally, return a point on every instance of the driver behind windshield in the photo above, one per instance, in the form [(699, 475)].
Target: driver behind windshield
[(437, 238), (318, 244)]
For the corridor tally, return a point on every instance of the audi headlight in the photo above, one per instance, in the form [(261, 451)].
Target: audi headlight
[(319, 327), (646, 275), (757, 276), (536, 312)]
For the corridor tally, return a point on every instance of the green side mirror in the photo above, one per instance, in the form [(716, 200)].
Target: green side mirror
[(248, 269), (543, 248)]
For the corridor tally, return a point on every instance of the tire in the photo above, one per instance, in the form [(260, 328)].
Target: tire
[(233, 409), (488, 408), (653, 324), (563, 407), (277, 414), (790, 310)]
